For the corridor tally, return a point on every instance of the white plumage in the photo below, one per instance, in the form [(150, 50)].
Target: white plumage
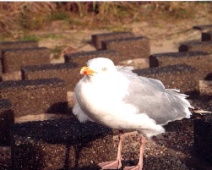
[(116, 97)]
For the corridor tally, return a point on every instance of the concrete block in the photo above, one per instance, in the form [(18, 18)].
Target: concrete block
[(13, 59), (173, 77), (68, 72), (202, 61), (205, 87), (129, 48), (60, 144), (208, 76), (207, 36), (98, 38), (203, 137), (203, 28), (17, 45), (15, 75), (205, 46), (6, 120), (35, 96), (81, 58)]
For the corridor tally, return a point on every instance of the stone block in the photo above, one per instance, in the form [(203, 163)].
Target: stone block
[(68, 72), (60, 144), (208, 76), (203, 137), (6, 120), (202, 61), (35, 96), (173, 77), (129, 48), (203, 28), (17, 45), (81, 58), (13, 59), (1, 71), (207, 36), (98, 38), (205, 46), (205, 87), (15, 75)]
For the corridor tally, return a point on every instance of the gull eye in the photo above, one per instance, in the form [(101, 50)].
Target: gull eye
[(104, 69)]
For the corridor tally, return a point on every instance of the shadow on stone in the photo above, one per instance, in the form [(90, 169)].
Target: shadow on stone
[(60, 144)]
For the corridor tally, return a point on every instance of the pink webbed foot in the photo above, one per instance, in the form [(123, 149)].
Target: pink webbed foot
[(133, 168), (110, 165)]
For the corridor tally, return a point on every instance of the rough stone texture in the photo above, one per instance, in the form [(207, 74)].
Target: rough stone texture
[(13, 59), (196, 46), (35, 96), (1, 70), (5, 155), (202, 61), (174, 76), (6, 120), (203, 27), (82, 57), (98, 38), (15, 75), (60, 144), (129, 48), (17, 45), (207, 36), (203, 137), (68, 72)]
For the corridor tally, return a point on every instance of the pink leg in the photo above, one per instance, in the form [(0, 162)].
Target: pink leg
[(139, 166), (117, 163)]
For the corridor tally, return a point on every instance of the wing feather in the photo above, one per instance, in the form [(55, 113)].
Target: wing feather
[(151, 97)]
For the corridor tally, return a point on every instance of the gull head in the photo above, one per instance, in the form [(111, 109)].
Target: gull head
[(98, 67)]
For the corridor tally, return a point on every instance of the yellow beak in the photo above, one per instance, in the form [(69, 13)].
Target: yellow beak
[(86, 71)]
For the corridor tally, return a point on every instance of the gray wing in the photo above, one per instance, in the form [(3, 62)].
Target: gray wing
[(151, 97)]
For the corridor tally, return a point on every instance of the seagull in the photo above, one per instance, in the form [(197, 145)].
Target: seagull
[(116, 97)]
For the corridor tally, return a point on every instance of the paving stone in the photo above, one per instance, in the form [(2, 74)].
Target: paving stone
[(196, 46), (207, 36), (35, 96), (202, 61), (129, 48), (98, 38), (68, 72), (13, 59), (203, 27), (6, 120), (179, 76), (203, 137), (81, 58), (60, 144)]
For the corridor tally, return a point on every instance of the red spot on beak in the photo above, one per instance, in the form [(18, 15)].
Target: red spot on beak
[(85, 72)]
